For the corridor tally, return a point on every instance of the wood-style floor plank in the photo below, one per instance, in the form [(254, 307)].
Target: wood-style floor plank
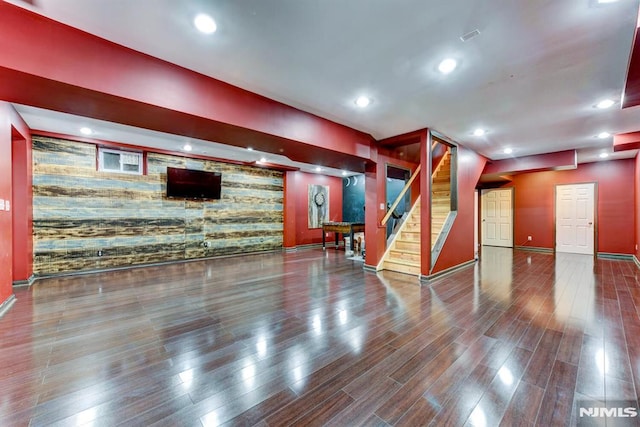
[(310, 338)]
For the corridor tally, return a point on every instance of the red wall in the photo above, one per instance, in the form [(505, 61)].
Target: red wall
[(90, 76), (636, 186), (458, 248), (296, 213), (535, 199)]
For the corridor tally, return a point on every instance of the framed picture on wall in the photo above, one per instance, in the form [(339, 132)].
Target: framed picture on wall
[(318, 205)]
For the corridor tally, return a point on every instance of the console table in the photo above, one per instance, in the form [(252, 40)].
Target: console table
[(341, 227)]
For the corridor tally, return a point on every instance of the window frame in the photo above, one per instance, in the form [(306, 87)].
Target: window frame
[(139, 154)]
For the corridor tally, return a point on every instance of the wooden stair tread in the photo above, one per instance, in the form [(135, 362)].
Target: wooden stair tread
[(405, 269), (406, 251), (417, 240), (407, 244), (403, 262)]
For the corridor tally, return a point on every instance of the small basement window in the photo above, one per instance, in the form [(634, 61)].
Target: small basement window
[(119, 161)]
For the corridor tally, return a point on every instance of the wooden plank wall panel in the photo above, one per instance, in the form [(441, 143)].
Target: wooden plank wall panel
[(79, 211)]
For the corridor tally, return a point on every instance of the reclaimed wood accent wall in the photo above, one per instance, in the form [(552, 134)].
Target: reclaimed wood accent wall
[(84, 219)]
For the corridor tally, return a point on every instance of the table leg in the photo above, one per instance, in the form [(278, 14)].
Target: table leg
[(353, 248)]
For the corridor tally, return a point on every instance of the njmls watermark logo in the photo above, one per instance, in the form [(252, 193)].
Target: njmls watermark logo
[(618, 413)]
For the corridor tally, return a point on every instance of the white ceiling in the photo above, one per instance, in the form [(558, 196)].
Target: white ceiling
[(531, 78)]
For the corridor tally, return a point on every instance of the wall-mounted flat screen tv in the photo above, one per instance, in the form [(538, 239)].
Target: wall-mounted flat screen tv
[(193, 184)]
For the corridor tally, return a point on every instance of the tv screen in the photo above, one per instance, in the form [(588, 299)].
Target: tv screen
[(192, 184)]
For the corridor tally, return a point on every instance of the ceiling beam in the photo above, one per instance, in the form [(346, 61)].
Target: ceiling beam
[(559, 160), (631, 96), (626, 141)]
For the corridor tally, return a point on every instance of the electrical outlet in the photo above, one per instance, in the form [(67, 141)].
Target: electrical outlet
[(529, 238), (100, 253)]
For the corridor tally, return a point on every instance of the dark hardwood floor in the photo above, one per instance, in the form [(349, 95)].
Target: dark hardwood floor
[(309, 338)]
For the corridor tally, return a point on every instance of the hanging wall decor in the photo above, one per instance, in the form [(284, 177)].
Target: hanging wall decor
[(318, 205)]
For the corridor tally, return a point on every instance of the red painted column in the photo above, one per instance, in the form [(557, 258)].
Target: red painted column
[(15, 194), (375, 195), (289, 220), (22, 199), (425, 203), (6, 229)]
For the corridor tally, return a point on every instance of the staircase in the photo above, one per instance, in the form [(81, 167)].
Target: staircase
[(403, 254), (440, 196)]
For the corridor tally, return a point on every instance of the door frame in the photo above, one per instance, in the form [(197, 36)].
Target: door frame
[(595, 215), (513, 215)]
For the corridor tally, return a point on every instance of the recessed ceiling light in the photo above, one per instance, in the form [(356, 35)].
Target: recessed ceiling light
[(344, 173), (363, 101), (603, 135), (263, 160), (479, 132), (508, 151), (86, 131), (249, 149), (604, 155), (605, 103), (318, 168), (205, 24), (187, 147), (447, 65)]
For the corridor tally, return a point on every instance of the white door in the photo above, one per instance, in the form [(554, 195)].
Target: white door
[(575, 218), (475, 224), (497, 217)]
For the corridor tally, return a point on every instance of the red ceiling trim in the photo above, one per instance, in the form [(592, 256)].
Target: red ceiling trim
[(408, 138)]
